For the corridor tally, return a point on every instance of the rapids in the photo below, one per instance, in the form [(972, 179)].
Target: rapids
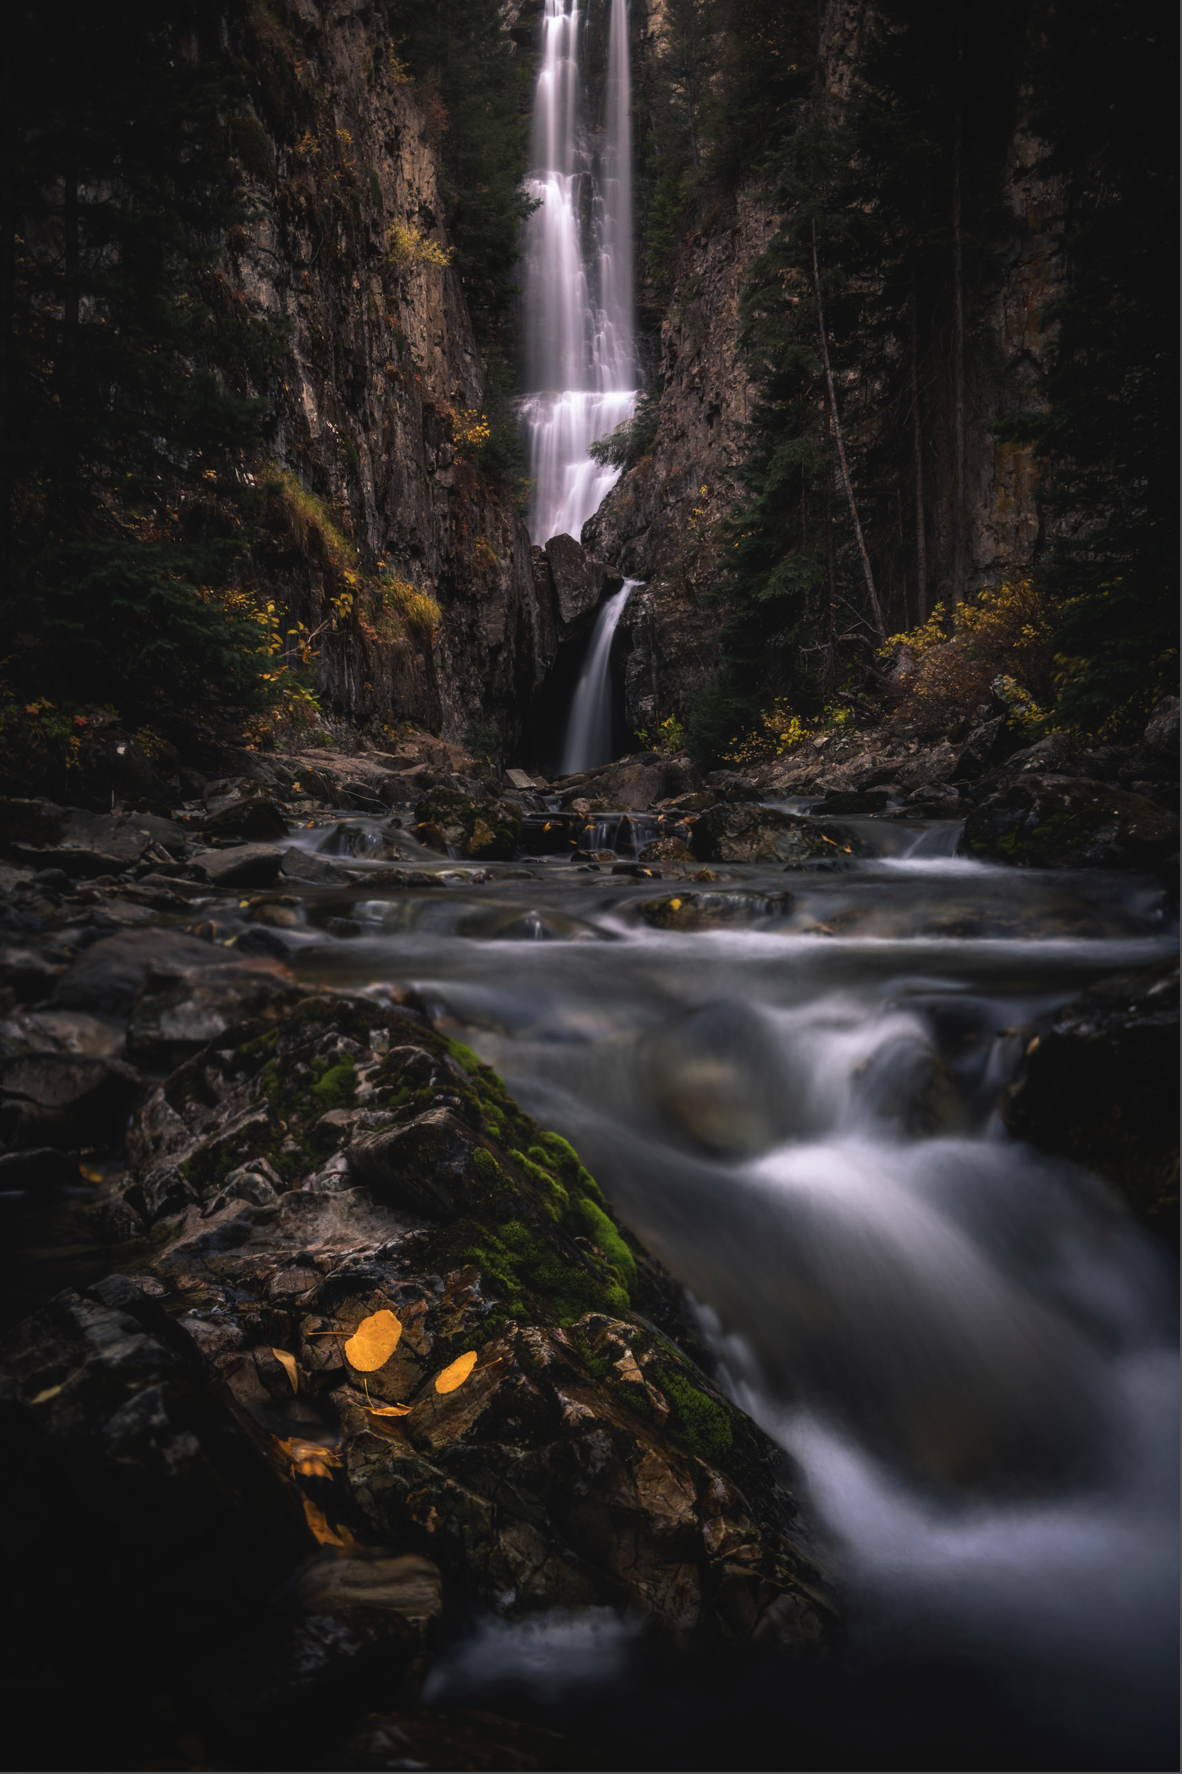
[(967, 1347)]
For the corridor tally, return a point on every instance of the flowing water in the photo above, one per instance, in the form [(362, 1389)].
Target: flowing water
[(967, 1347), (579, 344), (589, 729)]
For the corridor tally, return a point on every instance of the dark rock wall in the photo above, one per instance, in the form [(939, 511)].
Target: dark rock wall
[(381, 361)]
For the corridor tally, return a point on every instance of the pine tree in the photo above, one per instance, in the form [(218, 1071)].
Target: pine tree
[(120, 426)]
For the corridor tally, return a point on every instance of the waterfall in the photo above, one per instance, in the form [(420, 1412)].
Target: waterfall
[(589, 732), (579, 328)]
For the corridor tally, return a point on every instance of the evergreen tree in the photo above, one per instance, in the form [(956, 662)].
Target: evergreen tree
[(1107, 442), (121, 437)]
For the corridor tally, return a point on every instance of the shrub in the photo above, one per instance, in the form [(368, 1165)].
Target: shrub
[(634, 438), (1007, 632), (410, 246)]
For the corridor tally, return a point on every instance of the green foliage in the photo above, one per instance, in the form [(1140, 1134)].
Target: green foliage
[(595, 1225), (481, 739), (634, 438), (127, 415)]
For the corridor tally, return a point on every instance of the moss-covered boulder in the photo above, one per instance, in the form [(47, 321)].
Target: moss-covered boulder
[(351, 1160), (1070, 822), (485, 830), (748, 832)]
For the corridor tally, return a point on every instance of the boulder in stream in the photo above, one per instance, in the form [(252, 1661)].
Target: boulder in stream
[(1070, 822), (749, 832), (1099, 1085), (484, 830)]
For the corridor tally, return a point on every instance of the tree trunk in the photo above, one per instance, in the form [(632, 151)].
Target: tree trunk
[(867, 572), (959, 550), (921, 540)]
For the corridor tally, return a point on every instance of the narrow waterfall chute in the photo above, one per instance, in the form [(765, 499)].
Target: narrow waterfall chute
[(580, 354), (589, 730)]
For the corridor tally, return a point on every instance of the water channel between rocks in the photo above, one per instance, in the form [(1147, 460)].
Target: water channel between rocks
[(966, 1346)]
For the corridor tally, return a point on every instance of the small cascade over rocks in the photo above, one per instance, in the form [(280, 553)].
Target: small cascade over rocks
[(579, 325), (589, 732)]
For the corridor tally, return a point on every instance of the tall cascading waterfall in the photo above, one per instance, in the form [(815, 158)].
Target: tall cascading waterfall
[(580, 352)]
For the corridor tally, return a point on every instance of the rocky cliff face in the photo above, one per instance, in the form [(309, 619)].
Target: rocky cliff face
[(657, 523), (382, 386)]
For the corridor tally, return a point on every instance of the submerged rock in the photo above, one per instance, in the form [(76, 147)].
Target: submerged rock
[(717, 1076)]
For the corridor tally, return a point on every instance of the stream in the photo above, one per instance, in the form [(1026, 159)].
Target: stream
[(967, 1348)]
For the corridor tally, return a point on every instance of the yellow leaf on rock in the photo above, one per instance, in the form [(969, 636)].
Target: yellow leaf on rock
[(373, 1342), (455, 1375), (387, 1410), (288, 1364), (49, 1392), (88, 1175)]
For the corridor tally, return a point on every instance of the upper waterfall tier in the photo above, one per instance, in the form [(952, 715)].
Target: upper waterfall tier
[(579, 314)]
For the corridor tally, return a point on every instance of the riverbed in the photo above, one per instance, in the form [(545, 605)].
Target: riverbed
[(968, 1348)]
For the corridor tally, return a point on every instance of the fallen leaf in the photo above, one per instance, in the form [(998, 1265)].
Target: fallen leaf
[(90, 1176), (455, 1375), (387, 1410), (49, 1392), (373, 1342), (288, 1364), (319, 1525)]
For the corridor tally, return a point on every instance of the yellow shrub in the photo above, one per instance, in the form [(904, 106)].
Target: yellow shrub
[(1005, 632), (410, 246)]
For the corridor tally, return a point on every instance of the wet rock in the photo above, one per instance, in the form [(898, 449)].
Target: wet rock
[(986, 746), (66, 1099), (579, 580), (487, 831), (26, 976), (1063, 822), (256, 819), (1099, 1085), (749, 833), (703, 911), (43, 1171), (105, 979), (429, 1166), (852, 801), (666, 850), (178, 1010), (434, 1737), (245, 865), (42, 835), (317, 871), (1161, 732)]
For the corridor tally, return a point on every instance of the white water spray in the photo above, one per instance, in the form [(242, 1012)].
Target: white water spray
[(579, 329)]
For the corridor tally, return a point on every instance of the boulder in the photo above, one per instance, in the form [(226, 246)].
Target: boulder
[(1099, 1085), (1065, 822), (66, 1099), (106, 977), (705, 911), (666, 850), (579, 580), (254, 818), (41, 835), (245, 865), (752, 833), (317, 871), (485, 830), (178, 1010)]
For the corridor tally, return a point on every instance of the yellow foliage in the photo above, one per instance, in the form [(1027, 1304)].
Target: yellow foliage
[(410, 246), (1004, 632)]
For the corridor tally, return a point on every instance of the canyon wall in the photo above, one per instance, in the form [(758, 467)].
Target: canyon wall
[(380, 381)]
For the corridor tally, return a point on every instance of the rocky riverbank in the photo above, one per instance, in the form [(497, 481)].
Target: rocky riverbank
[(289, 1535)]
